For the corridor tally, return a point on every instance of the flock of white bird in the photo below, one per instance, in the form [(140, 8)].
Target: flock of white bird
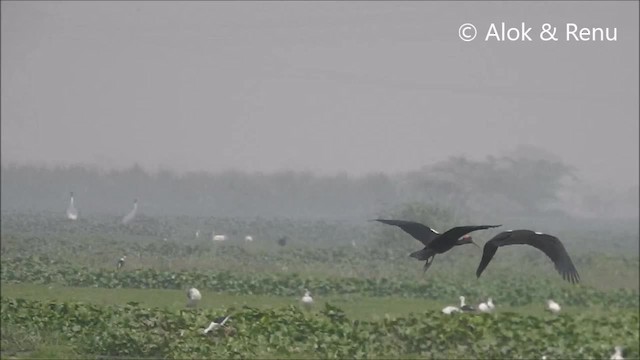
[(489, 306), (72, 214), (194, 296)]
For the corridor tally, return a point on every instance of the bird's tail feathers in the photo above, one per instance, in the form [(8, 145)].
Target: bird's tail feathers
[(423, 254)]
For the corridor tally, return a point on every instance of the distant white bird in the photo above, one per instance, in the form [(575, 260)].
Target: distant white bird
[(197, 234), (618, 354), (219, 237), (553, 306), (450, 310), (465, 307), (307, 300), (121, 261), (132, 214), (193, 296), (248, 238), (486, 307), (353, 243), (216, 324), (72, 213)]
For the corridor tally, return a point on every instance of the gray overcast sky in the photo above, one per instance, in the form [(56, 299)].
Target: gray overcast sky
[(325, 86)]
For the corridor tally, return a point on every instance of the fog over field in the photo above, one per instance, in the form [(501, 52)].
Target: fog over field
[(339, 110)]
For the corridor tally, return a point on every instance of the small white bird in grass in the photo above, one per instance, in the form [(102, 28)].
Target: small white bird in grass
[(307, 300), (193, 296), (553, 306), (216, 324), (121, 262), (450, 310), (72, 213), (465, 307), (248, 238), (486, 307), (618, 354)]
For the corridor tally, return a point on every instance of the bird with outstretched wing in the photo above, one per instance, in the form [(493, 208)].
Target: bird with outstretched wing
[(548, 244)]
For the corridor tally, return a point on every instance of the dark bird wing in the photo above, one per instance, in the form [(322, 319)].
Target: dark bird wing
[(468, 308), (452, 235), (548, 244), (420, 232)]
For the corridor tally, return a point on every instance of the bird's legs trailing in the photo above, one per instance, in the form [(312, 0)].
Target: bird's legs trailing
[(428, 263), (424, 254)]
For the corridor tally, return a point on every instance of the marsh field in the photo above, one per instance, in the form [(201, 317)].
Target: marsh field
[(63, 296)]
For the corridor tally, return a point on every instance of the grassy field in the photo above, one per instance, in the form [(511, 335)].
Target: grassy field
[(355, 313), (355, 306)]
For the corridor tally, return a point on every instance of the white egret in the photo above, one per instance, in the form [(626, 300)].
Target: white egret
[(486, 307), (193, 296), (132, 214), (72, 213), (248, 238), (450, 310), (618, 354), (121, 261), (218, 237), (216, 324), (553, 306), (307, 300)]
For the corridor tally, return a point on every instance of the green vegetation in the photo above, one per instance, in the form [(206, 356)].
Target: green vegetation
[(134, 330), (62, 296)]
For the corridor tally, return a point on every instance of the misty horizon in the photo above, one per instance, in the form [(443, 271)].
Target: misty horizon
[(325, 88)]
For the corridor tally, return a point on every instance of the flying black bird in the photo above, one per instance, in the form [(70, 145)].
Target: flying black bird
[(548, 244), (434, 242)]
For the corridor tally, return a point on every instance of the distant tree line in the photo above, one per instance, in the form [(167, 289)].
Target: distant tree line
[(506, 185)]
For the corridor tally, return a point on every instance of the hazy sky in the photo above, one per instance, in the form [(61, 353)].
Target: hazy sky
[(324, 86)]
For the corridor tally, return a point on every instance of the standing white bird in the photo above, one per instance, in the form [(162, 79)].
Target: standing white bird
[(450, 310), (197, 234), (618, 354), (72, 213), (121, 262), (248, 238), (307, 300), (486, 307), (465, 307), (216, 324), (553, 306), (132, 214), (193, 296)]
